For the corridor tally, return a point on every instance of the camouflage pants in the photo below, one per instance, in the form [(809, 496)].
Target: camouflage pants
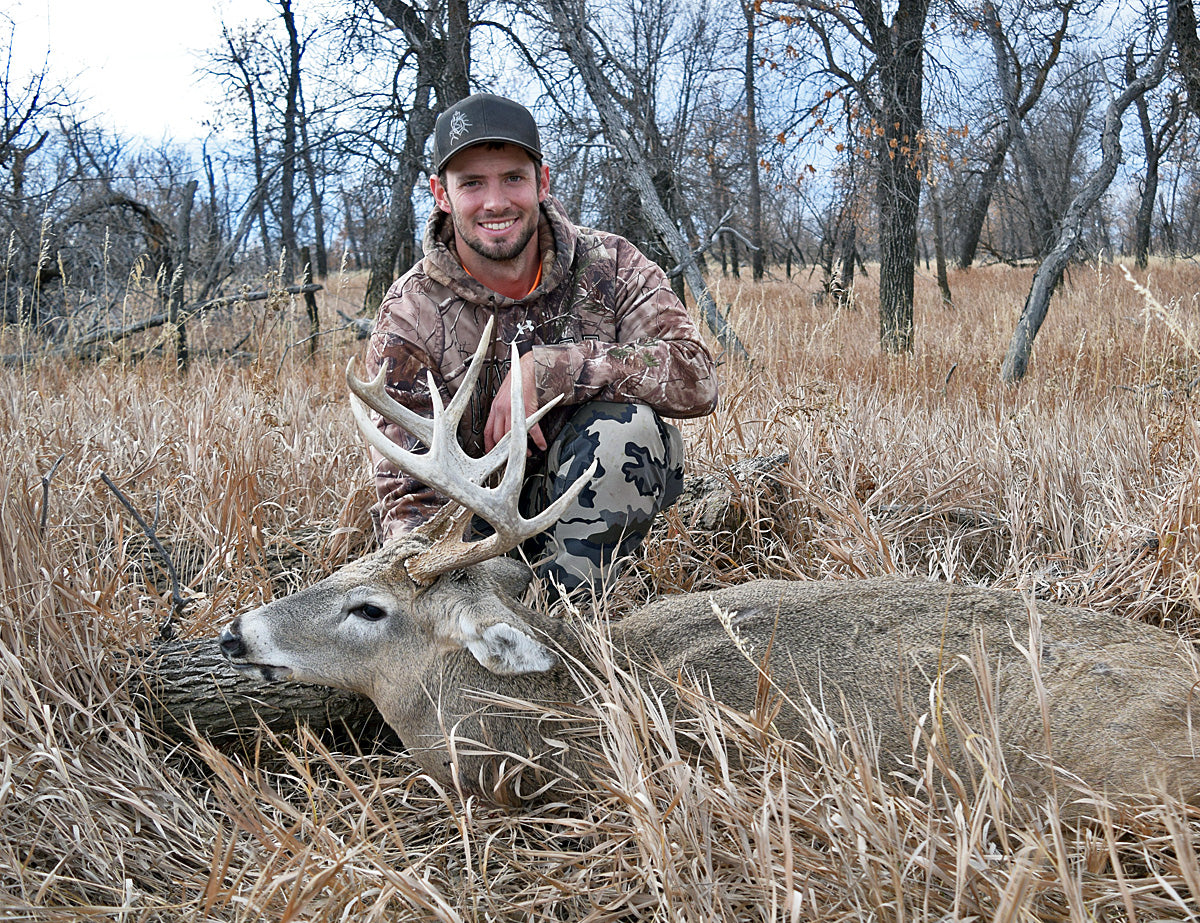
[(640, 473)]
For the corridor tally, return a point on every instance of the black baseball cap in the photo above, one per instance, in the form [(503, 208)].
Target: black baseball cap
[(480, 118)]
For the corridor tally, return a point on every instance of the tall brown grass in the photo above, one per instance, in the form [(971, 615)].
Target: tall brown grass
[(1080, 485)]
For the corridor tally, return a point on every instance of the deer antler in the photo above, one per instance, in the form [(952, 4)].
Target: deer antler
[(457, 475)]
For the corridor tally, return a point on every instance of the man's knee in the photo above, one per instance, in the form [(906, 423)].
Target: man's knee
[(639, 473), (639, 457)]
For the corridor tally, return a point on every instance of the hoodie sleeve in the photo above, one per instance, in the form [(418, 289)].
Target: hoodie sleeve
[(658, 357), (404, 502)]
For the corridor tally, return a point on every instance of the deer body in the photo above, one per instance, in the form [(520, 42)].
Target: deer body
[(430, 628), (1120, 710), (438, 662)]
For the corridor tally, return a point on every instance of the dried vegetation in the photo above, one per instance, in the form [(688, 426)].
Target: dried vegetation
[(1079, 486)]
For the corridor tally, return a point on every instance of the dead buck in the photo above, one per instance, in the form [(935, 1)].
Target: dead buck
[(431, 629)]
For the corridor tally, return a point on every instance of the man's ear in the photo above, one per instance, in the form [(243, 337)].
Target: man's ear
[(501, 642), (543, 176), (440, 196)]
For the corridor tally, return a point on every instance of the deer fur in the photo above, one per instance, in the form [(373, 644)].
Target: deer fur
[(1108, 702)]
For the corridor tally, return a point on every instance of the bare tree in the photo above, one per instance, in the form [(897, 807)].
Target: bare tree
[(1156, 142), (656, 57), (235, 65), (1042, 219), (1025, 51), (291, 115), (440, 39), (1070, 227), (290, 140), (29, 105), (571, 22), (883, 62)]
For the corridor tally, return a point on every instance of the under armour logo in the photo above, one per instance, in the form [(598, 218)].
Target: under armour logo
[(526, 326), (459, 126)]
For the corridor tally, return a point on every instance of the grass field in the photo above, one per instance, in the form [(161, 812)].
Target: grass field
[(1082, 485)]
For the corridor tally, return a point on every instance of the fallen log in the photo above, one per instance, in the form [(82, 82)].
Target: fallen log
[(114, 334), (85, 346), (186, 685)]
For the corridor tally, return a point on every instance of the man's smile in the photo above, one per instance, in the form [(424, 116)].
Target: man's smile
[(498, 225)]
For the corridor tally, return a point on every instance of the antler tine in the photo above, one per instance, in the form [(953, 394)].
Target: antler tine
[(450, 552), (374, 395), (449, 470)]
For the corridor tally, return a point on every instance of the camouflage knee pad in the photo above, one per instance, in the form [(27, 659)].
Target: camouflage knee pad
[(639, 474)]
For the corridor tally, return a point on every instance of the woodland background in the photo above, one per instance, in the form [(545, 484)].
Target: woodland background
[(808, 137)]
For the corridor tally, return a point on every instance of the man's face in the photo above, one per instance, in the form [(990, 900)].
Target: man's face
[(492, 195)]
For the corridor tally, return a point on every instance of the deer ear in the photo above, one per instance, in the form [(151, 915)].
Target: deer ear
[(504, 647)]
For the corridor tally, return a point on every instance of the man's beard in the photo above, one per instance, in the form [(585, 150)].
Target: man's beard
[(501, 251)]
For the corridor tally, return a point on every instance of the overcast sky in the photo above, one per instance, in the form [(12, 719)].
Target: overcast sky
[(130, 62)]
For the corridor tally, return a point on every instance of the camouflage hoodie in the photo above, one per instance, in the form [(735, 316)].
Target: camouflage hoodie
[(603, 324)]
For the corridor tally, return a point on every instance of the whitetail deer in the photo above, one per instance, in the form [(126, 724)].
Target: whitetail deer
[(430, 627)]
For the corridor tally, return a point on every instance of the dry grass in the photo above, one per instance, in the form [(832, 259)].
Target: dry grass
[(1081, 485)]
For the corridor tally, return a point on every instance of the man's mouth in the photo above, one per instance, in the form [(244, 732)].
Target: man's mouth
[(497, 226)]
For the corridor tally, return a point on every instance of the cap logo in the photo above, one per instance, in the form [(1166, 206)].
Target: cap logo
[(459, 126)]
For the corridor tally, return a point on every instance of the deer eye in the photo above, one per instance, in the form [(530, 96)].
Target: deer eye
[(369, 612)]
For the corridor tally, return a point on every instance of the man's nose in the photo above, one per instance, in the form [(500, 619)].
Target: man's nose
[(495, 198)]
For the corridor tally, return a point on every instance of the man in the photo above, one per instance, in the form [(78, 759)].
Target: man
[(593, 320)]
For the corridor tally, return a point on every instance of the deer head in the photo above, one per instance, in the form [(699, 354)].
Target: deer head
[(423, 595)]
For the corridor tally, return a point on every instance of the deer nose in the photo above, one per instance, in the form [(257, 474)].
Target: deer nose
[(231, 644)]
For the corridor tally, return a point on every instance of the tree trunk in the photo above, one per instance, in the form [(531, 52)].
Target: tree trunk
[(754, 190), (1155, 144), (179, 276), (287, 194), (397, 243), (1181, 19), (939, 251), (1049, 274), (842, 284), (213, 235), (190, 683), (351, 229), (456, 83), (260, 206), (314, 194), (310, 303), (898, 193), (973, 217), (442, 67), (1149, 192)]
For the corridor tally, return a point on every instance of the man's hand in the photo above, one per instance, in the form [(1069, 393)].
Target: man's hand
[(499, 419)]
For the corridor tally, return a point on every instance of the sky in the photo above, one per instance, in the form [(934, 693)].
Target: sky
[(131, 63)]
